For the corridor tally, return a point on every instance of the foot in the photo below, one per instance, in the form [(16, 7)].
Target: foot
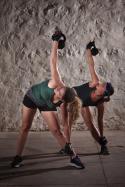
[(76, 162), (67, 150), (17, 162), (62, 152), (104, 150), (103, 141)]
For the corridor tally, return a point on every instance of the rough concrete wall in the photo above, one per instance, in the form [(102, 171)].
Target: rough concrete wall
[(26, 27)]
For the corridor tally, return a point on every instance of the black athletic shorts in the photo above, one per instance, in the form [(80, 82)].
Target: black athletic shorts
[(30, 104)]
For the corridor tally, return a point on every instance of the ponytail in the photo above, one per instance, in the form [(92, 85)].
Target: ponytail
[(74, 109)]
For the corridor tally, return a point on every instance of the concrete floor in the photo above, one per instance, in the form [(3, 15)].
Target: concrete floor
[(43, 167)]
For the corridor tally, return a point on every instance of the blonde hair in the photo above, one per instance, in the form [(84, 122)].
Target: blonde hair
[(74, 109)]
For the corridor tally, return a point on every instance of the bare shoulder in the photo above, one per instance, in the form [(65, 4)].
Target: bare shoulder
[(53, 84), (93, 84)]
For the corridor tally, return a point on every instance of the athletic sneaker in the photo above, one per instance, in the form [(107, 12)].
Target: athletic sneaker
[(17, 162), (103, 141), (104, 150), (62, 152), (67, 150), (76, 162)]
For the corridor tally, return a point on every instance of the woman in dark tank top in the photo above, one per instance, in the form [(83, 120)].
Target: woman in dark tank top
[(94, 93)]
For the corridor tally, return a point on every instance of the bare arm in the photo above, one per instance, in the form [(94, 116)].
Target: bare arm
[(64, 113), (90, 63), (55, 76), (65, 121), (100, 109)]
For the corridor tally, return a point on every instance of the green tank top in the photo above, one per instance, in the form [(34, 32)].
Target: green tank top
[(43, 94)]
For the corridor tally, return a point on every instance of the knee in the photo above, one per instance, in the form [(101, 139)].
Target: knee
[(25, 128), (90, 125)]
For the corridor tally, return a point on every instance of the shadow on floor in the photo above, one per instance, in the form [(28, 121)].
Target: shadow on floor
[(8, 172), (15, 173), (44, 155)]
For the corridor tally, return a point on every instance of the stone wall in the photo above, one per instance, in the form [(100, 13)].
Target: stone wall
[(26, 27)]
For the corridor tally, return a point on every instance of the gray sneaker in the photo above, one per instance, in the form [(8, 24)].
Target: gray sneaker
[(17, 162), (67, 150), (104, 150), (62, 152)]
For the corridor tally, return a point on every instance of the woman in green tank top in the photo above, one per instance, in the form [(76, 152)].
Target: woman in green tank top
[(46, 96)]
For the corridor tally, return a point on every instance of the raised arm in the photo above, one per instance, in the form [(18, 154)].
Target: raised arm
[(91, 65), (57, 43), (55, 75)]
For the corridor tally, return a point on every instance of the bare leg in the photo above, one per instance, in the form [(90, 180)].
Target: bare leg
[(86, 114), (27, 118), (52, 121)]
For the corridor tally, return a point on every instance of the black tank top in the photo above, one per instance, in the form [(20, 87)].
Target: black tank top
[(84, 93)]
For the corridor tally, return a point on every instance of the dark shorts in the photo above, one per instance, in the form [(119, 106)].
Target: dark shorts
[(30, 104)]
